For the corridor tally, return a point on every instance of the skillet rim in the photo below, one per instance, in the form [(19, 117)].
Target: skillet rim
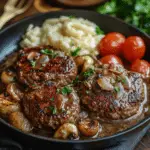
[(139, 124)]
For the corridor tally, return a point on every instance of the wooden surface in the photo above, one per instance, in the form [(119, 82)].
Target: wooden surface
[(145, 142)]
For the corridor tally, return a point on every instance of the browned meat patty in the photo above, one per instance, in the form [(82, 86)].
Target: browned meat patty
[(113, 93), (51, 107), (41, 64)]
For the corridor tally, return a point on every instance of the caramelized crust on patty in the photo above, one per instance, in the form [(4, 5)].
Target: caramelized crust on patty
[(41, 64), (49, 108)]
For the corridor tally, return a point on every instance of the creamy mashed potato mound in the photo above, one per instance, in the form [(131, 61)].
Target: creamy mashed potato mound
[(64, 33)]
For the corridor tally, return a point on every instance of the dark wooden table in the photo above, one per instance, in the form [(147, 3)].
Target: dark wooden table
[(38, 7)]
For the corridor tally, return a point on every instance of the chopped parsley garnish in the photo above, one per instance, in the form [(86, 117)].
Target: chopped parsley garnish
[(52, 99), (76, 51), (119, 79), (98, 30), (32, 62), (66, 90), (71, 16), (53, 110), (123, 80), (117, 89), (49, 52), (76, 80), (88, 73)]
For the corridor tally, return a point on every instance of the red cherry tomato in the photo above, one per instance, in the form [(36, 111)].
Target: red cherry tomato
[(134, 48), (111, 59), (141, 66), (112, 43)]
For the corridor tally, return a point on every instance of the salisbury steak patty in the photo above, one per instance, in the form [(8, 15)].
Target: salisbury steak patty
[(51, 107), (40, 64), (113, 93)]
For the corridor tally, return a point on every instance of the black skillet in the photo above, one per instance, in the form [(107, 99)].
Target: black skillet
[(9, 42)]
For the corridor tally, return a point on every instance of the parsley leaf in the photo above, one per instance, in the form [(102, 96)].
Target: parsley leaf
[(117, 89), (123, 80), (76, 51), (66, 90), (88, 73), (32, 62), (72, 17), (49, 52), (52, 99), (138, 12), (53, 110), (98, 30), (76, 80)]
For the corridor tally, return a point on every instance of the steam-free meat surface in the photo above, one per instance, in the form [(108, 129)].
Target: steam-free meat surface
[(40, 64), (51, 107), (113, 93)]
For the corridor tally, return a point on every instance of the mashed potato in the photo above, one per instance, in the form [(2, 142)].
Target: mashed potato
[(64, 33)]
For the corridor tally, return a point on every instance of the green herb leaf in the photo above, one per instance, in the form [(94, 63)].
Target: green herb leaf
[(49, 52), (88, 73), (138, 12), (53, 110), (123, 80), (33, 63), (66, 90), (117, 89), (76, 51), (98, 30), (76, 80), (72, 17), (52, 99)]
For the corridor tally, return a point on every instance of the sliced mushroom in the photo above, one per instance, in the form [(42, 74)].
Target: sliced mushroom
[(79, 60), (8, 77), (89, 127), (18, 120), (85, 61), (105, 83), (14, 91), (33, 55), (126, 82), (67, 130), (41, 62), (88, 63), (7, 107)]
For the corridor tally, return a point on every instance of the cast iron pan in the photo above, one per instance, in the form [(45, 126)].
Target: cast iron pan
[(9, 40)]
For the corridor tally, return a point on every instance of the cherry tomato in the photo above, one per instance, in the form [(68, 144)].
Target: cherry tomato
[(141, 66), (112, 43), (111, 59), (134, 48)]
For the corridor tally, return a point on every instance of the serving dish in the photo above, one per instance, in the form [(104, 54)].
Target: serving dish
[(10, 38)]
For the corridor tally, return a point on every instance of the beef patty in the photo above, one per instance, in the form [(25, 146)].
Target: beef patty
[(113, 93), (51, 107), (41, 64)]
